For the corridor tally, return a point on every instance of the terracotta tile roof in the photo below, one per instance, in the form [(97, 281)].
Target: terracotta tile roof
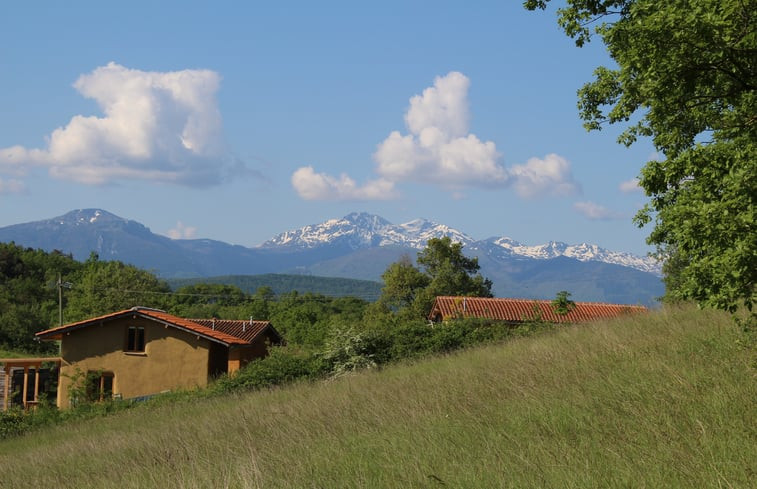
[(517, 310), (246, 330), (225, 336)]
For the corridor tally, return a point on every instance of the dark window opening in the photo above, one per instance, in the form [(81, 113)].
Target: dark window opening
[(135, 339), (99, 386)]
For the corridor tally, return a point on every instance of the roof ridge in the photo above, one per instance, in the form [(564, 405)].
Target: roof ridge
[(515, 299)]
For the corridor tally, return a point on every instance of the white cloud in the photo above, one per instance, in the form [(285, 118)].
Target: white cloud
[(156, 126), (630, 186), (596, 212), (11, 186), (319, 186), (439, 150), (443, 106), (182, 231), (550, 176)]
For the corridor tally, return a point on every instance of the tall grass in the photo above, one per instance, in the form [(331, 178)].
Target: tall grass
[(662, 400)]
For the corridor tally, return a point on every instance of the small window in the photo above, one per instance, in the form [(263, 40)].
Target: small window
[(135, 339), (99, 386)]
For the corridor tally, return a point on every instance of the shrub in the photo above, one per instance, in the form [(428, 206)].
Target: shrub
[(282, 365), (348, 350), (13, 422)]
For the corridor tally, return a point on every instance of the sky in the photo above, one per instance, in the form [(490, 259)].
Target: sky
[(237, 121)]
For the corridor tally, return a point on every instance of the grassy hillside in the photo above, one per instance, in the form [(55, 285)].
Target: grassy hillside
[(664, 400)]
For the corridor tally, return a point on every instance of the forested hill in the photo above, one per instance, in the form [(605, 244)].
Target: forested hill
[(283, 284), (29, 288)]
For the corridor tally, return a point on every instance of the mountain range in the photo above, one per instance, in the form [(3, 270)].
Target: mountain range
[(359, 245)]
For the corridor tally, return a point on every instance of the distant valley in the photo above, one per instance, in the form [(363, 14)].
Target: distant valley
[(357, 246)]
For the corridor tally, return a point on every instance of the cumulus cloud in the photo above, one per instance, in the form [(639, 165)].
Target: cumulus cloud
[(156, 126), (11, 186), (320, 186), (181, 231), (630, 186), (596, 212), (438, 149), (548, 176)]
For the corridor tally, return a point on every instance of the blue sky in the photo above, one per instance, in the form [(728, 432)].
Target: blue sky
[(236, 121)]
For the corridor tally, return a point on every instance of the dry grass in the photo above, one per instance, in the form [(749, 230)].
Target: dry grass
[(665, 400)]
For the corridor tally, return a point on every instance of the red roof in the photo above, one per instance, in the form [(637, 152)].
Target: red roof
[(202, 327), (517, 310), (246, 330)]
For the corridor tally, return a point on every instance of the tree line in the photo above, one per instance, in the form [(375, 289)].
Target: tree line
[(32, 282)]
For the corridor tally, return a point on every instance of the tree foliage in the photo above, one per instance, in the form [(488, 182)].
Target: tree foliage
[(562, 303), (101, 287), (444, 270), (450, 271), (686, 77), (28, 296), (403, 284)]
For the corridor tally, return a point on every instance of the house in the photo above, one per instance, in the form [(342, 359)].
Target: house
[(140, 351), (521, 310)]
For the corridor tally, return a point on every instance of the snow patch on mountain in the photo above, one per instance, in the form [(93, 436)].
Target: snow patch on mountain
[(362, 230), (581, 252)]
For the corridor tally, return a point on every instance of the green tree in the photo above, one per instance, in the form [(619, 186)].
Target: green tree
[(28, 296), (102, 287), (686, 77), (445, 270), (403, 282), (562, 304), (308, 319), (451, 272), (203, 300)]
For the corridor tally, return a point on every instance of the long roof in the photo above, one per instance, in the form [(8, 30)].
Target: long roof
[(202, 327), (517, 310)]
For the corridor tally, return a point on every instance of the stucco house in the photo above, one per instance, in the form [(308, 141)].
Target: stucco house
[(520, 310), (141, 351)]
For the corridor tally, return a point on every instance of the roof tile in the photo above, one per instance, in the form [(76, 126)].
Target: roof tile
[(517, 310)]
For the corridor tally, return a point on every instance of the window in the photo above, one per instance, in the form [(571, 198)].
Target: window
[(135, 339), (99, 386)]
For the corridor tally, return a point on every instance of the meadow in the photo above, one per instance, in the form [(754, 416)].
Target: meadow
[(665, 399)]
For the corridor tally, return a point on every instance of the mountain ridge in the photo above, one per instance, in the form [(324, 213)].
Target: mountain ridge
[(415, 233), (358, 246)]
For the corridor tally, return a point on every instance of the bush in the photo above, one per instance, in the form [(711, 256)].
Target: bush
[(13, 422), (16, 421), (281, 366), (348, 350)]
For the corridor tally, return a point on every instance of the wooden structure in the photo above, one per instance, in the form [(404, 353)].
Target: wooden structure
[(521, 310), (30, 386)]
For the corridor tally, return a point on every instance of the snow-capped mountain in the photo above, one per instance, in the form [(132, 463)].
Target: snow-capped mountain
[(357, 246), (363, 230), (507, 247)]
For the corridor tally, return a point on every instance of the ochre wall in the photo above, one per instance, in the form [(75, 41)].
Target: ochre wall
[(240, 357), (172, 358)]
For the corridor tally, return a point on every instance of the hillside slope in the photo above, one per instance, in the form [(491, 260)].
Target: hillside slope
[(661, 400)]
